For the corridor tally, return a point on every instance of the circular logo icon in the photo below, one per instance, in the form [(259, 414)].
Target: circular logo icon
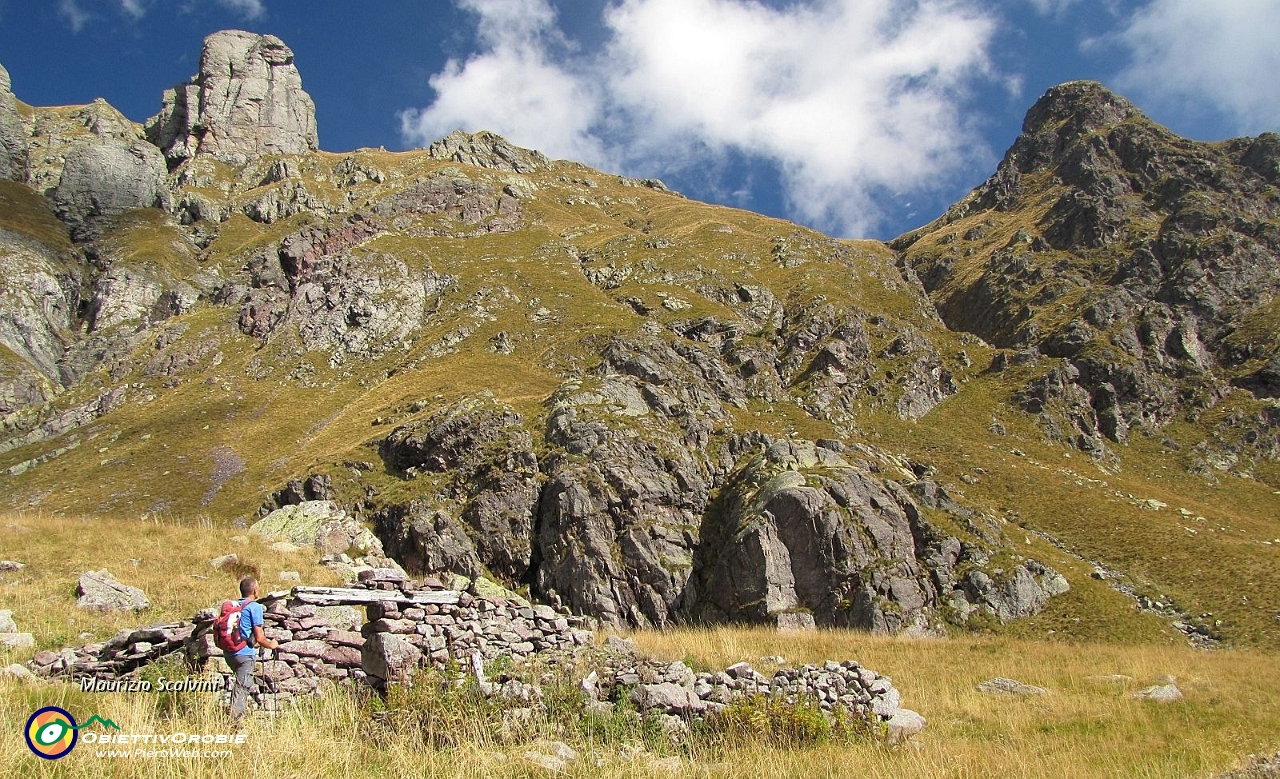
[(51, 733)]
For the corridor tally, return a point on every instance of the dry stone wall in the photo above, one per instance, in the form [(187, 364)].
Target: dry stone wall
[(409, 626)]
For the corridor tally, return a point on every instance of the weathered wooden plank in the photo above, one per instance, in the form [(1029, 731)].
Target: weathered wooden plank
[(349, 596), (438, 597)]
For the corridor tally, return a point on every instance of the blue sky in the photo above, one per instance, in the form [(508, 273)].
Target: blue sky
[(863, 118)]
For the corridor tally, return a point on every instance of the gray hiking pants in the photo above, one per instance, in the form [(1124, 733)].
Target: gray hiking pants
[(242, 667)]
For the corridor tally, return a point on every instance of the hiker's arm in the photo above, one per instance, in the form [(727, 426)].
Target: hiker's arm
[(260, 639)]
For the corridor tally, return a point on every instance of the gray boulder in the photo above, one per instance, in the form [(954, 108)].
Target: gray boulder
[(103, 178), (17, 640), (904, 724), (7, 625), (13, 134), (1159, 693), (99, 591), (321, 524), (388, 657), (246, 101), (667, 698)]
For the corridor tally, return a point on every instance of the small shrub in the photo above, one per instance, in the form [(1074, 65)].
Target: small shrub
[(778, 724)]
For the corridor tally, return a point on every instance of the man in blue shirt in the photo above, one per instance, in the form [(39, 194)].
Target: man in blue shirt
[(242, 662)]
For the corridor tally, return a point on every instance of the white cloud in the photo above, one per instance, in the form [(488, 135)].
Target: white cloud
[(249, 9), (513, 87), (134, 8), (76, 16), (848, 98), (1222, 53)]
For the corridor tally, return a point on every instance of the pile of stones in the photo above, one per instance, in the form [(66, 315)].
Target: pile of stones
[(120, 656), (433, 626), (410, 626), (675, 690)]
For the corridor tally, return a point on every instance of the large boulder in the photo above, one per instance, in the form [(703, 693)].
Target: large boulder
[(800, 528), (13, 134), (246, 101), (104, 178), (99, 591), (319, 523)]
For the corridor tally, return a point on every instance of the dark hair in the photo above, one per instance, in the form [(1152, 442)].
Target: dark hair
[(246, 586)]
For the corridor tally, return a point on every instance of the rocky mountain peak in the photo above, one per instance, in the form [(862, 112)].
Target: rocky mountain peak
[(246, 101), (1086, 105), (487, 150)]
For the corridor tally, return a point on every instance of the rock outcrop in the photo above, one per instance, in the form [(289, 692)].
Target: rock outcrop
[(13, 134), (106, 178), (1154, 250), (246, 101), (486, 150)]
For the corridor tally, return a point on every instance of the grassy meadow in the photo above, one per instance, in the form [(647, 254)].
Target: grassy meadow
[(1088, 726)]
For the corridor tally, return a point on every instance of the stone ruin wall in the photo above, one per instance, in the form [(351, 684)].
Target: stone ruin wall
[(409, 625)]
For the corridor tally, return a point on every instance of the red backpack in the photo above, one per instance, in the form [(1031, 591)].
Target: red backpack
[(226, 628)]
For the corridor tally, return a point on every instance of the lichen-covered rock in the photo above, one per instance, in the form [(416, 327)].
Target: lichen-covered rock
[(99, 591), (246, 101), (321, 524)]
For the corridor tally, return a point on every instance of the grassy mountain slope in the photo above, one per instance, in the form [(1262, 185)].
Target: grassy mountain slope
[(291, 313)]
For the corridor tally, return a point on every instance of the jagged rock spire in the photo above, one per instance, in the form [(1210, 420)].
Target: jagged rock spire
[(246, 101)]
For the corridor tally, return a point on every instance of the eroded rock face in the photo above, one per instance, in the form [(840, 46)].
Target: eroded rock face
[(1153, 251), (13, 134), (312, 284), (105, 178), (246, 101), (482, 515), (799, 528)]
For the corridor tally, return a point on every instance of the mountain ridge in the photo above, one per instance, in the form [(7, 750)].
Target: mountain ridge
[(565, 378)]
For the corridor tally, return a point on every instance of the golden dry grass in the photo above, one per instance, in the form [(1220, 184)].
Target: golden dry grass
[(167, 558), (1086, 727)]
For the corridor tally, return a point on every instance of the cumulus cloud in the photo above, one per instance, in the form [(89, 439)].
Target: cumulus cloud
[(847, 98), (76, 16), (514, 87), (1221, 53)]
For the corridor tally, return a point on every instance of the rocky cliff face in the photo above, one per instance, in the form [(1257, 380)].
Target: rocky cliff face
[(1143, 259), (643, 409), (246, 101), (13, 134)]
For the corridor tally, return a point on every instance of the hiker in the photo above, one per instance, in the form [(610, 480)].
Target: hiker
[(248, 630)]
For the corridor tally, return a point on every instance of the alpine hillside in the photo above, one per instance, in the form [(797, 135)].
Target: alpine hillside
[(1054, 411)]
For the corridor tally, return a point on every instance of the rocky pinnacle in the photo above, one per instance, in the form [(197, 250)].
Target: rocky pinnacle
[(246, 101)]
